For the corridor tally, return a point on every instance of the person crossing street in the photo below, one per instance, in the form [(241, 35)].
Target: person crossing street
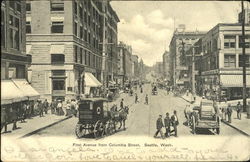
[(136, 98), (167, 125), (159, 125), (146, 99)]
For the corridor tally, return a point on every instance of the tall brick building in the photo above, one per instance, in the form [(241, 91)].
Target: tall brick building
[(68, 43)]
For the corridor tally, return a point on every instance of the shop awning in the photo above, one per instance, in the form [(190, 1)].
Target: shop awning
[(27, 89), (233, 80), (91, 81), (11, 93)]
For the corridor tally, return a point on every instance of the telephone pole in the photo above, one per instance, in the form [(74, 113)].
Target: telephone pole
[(244, 61)]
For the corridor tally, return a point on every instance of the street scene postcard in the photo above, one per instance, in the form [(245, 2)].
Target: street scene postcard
[(125, 80)]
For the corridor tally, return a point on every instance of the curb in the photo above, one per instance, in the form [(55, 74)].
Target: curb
[(242, 132), (40, 129)]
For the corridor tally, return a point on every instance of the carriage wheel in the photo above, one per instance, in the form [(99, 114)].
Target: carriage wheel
[(99, 129), (107, 128), (112, 126), (80, 130)]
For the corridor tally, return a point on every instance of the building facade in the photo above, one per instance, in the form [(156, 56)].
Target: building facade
[(180, 43), (67, 40), (135, 67), (221, 65), (14, 61), (125, 62), (166, 65)]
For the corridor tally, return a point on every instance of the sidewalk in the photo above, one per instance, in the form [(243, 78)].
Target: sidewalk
[(242, 125), (33, 125)]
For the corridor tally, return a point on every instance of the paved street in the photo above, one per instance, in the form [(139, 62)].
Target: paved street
[(142, 118)]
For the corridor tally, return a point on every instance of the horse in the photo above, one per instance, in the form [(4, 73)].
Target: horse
[(188, 112), (120, 116)]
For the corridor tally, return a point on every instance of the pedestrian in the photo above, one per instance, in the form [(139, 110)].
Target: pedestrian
[(159, 125), (146, 99), (239, 110), (22, 112), (40, 108), (59, 108), (229, 113), (45, 106), (167, 125), (14, 118), (73, 107), (28, 110), (175, 122), (141, 90), (4, 118), (136, 98), (223, 113), (121, 104), (53, 106)]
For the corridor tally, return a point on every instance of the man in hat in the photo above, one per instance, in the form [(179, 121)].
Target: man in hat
[(229, 113), (175, 122), (40, 108), (239, 110), (45, 106), (159, 125), (167, 124)]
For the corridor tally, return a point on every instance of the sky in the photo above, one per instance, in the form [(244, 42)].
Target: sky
[(148, 25)]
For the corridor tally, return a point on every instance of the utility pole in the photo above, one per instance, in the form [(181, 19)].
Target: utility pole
[(244, 61), (193, 72)]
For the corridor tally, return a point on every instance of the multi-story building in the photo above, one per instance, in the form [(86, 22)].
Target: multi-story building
[(125, 62), (166, 64), (68, 42), (221, 65), (110, 52), (181, 42), (14, 60), (135, 67)]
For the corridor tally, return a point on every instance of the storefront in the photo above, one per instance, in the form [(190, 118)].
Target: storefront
[(232, 86)]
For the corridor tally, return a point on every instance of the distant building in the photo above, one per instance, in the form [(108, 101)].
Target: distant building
[(135, 67), (221, 65), (180, 43), (166, 65), (124, 63)]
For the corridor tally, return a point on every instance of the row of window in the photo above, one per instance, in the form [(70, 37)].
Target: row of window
[(14, 30), (230, 60), (55, 5), (87, 58), (230, 41)]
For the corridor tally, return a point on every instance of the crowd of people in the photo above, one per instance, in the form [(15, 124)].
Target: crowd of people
[(168, 123), (27, 110)]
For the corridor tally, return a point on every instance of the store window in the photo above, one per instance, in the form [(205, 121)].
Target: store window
[(28, 27), (57, 58), (247, 41), (81, 32), (57, 27), (229, 61), (3, 43), (247, 60), (81, 58), (28, 6), (57, 5), (75, 28), (229, 41), (76, 54), (58, 84), (14, 29)]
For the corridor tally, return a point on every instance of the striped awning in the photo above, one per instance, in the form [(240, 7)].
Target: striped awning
[(10, 93), (91, 81), (26, 88), (233, 80)]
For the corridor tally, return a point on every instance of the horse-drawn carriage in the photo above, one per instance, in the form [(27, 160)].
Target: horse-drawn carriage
[(204, 117), (96, 118)]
